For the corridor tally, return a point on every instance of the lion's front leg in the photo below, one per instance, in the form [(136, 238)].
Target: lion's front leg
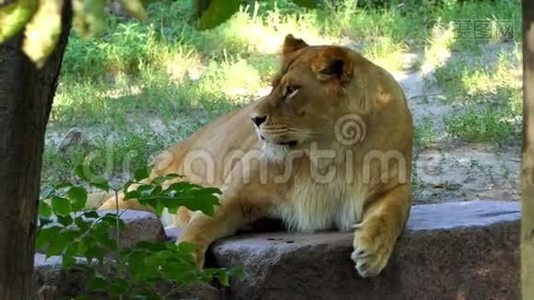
[(382, 223), (231, 215)]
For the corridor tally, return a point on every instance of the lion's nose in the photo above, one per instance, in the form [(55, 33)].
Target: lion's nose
[(258, 120)]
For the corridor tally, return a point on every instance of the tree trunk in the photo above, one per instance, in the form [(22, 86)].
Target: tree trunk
[(527, 174), (26, 95)]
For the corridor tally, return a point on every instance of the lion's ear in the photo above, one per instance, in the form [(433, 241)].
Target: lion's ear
[(291, 44), (333, 63)]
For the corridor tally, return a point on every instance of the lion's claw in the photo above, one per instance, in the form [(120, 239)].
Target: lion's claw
[(370, 255)]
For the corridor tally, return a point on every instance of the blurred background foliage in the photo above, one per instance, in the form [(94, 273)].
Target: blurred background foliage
[(142, 85)]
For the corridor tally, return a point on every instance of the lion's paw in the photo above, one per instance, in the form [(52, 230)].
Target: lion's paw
[(370, 255)]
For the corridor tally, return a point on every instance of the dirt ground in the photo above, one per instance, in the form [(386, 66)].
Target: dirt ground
[(455, 172)]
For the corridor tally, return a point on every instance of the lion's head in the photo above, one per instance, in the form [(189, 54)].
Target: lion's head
[(314, 87)]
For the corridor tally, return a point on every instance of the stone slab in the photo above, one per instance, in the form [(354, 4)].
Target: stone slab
[(139, 226), (461, 250)]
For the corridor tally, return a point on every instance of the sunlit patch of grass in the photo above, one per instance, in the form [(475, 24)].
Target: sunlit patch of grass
[(483, 125), (234, 78), (183, 63), (261, 31), (438, 49), (478, 77), (385, 53), (399, 25), (125, 49)]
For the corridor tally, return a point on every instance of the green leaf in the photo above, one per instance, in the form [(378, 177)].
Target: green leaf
[(43, 31), (82, 223), (223, 278), (127, 185), (217, 12), (94, 252), (59, 242), (306, 3), (159, 180), (141, 174), (96, 283), (44, 210), (102, 184), (83, 246), (147, 189), (186, 247), (113, 220), (151, 247), (136, 264), (118, 287), (68, 258), (44, 221), (108, 243), (177, 271), (64, 220), (132, 195), (45, 235), (61, 206), (62, 185), (172, 176), (92, 214), (14, 16), (78, 197)]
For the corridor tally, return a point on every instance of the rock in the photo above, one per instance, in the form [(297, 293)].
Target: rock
[(173, 233), (199, 291), (73, 137), (96, 199), (52, 282), (140, 226), (462, 250)]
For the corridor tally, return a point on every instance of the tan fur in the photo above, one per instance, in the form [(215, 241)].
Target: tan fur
[(280, 169)]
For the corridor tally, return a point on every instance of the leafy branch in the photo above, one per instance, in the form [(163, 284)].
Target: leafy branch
[(41, 19), (68, 230)]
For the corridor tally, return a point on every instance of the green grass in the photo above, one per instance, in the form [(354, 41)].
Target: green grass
[(483, 125), (424, 133), (116, 86), (478, 76), (486, 87)]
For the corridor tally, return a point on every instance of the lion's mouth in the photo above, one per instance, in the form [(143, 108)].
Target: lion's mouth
[(281, 143), (288, 143)]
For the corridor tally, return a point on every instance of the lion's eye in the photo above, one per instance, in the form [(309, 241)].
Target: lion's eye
[(291, 90)]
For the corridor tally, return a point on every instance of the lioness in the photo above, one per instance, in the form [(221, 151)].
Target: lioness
[(330, 146)]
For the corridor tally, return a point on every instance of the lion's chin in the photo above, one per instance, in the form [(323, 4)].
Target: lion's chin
[(274, 152)]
